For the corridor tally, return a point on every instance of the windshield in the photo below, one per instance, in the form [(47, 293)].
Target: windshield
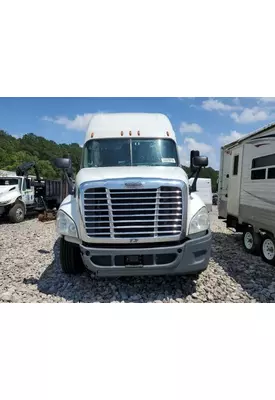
[(130, 152), (8, 181)]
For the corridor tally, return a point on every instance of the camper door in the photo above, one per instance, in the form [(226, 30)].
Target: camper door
[(235, 181)]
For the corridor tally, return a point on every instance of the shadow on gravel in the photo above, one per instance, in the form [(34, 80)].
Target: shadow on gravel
[(4, 220), (84, 288), (42, 251), (255, 276)]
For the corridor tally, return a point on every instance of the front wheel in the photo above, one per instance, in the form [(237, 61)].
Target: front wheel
[(268, 249), (17, 213), (70, 258), (251, 241)]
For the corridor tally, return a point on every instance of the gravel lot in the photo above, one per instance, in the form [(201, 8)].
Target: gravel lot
[(30, 272)]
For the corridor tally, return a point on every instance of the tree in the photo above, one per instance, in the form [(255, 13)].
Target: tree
[(31, 147)]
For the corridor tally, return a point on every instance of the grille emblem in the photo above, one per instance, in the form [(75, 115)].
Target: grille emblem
[(134, 184)]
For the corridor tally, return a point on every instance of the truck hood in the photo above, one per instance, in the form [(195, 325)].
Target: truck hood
[(106, 173), (8, 196), (7, 188)]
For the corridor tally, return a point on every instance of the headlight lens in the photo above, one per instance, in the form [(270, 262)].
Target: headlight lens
[(65, 225), (200, 222)]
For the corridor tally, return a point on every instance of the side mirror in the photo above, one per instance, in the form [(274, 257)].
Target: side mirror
[(193, 153), (197, 163), (63, 163), (200, 161), (66, 165)]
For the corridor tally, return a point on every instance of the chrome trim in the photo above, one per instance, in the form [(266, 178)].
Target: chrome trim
[(149, 185), (133, 184), (156, 213), (110, 212)]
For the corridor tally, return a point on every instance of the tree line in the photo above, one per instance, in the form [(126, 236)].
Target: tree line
[(31, 147)]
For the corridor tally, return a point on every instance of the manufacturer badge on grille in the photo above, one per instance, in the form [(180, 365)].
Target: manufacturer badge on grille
[(134, 184)]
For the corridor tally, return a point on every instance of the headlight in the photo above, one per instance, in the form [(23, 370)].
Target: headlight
[(65, 225), (200, 222)]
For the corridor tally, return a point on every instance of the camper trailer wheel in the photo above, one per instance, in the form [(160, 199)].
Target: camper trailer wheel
[(70, 258), (251, 241), (268, 249)]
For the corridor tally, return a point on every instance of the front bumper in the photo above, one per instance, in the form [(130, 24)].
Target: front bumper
[(189, 257)]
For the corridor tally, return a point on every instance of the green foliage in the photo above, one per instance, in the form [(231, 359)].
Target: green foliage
[(30, 147)]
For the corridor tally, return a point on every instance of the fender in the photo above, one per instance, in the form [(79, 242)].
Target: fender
[(70, 206), (19, 200), (195, 203)]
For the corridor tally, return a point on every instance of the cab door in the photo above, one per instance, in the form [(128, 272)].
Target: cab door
[(27, 191)]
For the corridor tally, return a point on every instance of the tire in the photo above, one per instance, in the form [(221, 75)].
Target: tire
[(17, 213), (70, 258), (268, 249), (251, 241)]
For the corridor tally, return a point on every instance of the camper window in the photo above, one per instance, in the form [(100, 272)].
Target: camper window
[(271, 173), (258, 174), (265, 161), (236, 165)]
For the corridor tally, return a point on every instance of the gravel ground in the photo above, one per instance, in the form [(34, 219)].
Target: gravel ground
[(30, 272)]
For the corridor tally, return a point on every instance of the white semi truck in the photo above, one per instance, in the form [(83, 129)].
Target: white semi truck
[(131, 210)]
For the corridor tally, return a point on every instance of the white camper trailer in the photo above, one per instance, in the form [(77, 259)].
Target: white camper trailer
[(247, 190), (204, 190)]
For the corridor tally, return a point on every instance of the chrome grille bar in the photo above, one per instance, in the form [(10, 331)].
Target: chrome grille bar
[(109, 201), (156, 213)]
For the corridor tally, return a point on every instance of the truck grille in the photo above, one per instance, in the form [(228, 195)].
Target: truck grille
[(128, 213)]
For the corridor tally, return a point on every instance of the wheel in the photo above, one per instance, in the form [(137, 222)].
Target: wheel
[(268, 249), (17, 213), (251, 241), (70, 258)]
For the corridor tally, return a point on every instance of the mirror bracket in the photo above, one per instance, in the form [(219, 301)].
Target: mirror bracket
[(193, 187)]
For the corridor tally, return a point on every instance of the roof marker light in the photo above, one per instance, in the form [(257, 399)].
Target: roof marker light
[(92, 134), (121, 133), (130, 133), (167, 133), (138, 132)]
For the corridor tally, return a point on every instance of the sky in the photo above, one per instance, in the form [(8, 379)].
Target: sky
[(200, 123)]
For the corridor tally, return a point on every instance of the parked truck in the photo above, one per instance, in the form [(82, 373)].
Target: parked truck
[(247, 190), (22, 194), (132, 210)]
